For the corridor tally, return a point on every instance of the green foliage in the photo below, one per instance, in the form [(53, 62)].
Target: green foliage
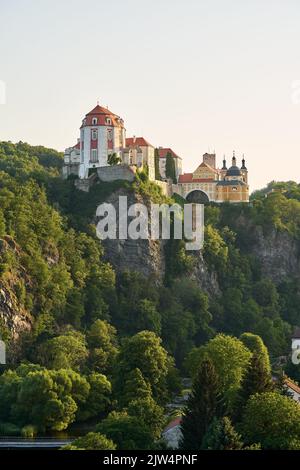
[(149, 413), (99, 397), (156, 164), (135, 388), (170, 168), (256, 345), (64, 351), (45, 399), (201, 406), (273, 420), (257, 379), (113, 159), (128, 432), (230, 358), (91, 441), (221, 435), (103, 346), (144, 351)]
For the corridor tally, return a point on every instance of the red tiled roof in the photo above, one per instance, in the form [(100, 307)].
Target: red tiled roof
[(163, 153), (292, 385), (77, 146), (173, 424), (188, 178), (137, 141), (101, 114)]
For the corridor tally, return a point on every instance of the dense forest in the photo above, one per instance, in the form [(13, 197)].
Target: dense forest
[(105, 351)]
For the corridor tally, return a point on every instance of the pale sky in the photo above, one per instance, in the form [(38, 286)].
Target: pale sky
[(193, 75)]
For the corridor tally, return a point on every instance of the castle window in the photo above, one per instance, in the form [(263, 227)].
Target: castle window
[(94, 121), (94, 155), (108, 121), (94, 134)]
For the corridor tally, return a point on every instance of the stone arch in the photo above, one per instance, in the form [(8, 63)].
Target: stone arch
[(197, 196)]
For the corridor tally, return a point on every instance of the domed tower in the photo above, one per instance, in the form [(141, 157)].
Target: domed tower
[(102, 133), (233, 173), (244, 170), (233, 188)]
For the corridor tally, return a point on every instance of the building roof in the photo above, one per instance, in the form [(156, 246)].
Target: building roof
[(137, 142), (203, 164), (233, 171), (290, 384), (163, 152), (102, 114), (188, 178), (77, 146), (173, 424), (231, 183)]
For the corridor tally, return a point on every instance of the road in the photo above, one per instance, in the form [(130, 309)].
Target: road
[(38, 443)]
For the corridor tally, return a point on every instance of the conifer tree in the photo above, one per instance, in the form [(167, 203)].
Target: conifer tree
[(170, 168), (156, 163), (221, 435), (135, 387), (257, 379), (201, 406)]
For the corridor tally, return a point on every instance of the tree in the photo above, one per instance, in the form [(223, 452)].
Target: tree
[(46, 399), (144, 351), (170, 168), (156, 163), (113, 159), (64, 351), (230, 358), (128, 432), (91, 441), (99, 397), (103, 345), (135, 388), (221, 435), (273, 420), (147, 317), (201, 406), (149, 413), (256, 345), (256, 380)]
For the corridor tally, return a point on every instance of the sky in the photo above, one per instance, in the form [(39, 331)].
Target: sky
[(193, 75)]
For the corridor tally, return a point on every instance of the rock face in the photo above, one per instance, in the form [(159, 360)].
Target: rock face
[(12, 315), (144, 256), (148, 256), (278, 253)]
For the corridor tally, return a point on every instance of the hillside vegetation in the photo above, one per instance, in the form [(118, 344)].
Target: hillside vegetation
[(110, 348)]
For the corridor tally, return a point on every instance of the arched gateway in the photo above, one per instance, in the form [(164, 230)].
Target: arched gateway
[(197, 196)]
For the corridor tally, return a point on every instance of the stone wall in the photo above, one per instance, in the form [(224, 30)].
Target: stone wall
[(116, 172)]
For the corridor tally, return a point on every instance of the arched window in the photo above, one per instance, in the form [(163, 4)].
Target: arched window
[(94, 121)]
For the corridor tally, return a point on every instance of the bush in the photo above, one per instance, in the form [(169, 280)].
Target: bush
[(29, 431)]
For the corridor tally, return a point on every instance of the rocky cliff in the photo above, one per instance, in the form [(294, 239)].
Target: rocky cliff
[(13, 315), (148, 256)]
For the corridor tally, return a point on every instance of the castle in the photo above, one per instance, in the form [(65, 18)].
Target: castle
[(103, 148)]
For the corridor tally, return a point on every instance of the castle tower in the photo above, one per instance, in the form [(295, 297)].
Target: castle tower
[(244, 170), (102, 133), (223, 170), (210, 159)]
